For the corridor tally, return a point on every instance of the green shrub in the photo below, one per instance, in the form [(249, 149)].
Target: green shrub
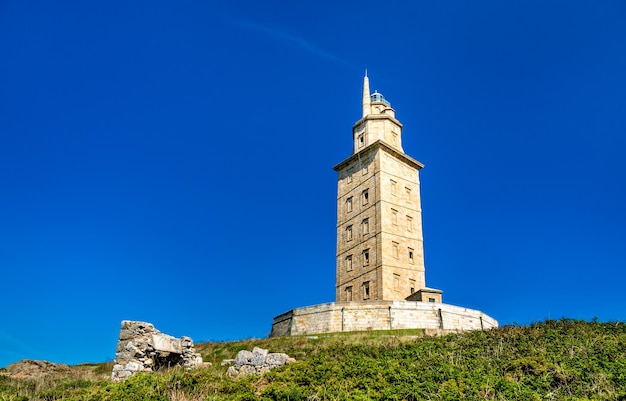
[(557, 359)]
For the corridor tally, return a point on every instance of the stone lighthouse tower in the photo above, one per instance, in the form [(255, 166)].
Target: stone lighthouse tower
[(380, 282), (380, 254)]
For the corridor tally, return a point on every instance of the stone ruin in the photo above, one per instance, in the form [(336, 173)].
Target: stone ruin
[(256, 362), (142, 348)]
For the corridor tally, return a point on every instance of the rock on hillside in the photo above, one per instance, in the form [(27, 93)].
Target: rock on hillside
[(28, 369)]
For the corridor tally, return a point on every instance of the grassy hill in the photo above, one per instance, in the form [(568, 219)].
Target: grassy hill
[(552, 360)]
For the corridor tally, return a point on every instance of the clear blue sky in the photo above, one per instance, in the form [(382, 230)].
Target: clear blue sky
[(171, 161)]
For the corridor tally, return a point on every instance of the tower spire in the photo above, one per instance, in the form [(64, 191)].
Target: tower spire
[(367, 109)]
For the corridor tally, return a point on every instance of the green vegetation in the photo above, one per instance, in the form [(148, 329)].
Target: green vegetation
[(552, 360)]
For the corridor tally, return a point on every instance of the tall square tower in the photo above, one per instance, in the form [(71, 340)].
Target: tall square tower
[(380, 283), (380, 254)]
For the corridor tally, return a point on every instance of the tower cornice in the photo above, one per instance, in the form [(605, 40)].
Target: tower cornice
[(377, 117), (380, 145)]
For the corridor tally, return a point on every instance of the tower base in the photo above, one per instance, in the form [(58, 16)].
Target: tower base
[(437, 318)]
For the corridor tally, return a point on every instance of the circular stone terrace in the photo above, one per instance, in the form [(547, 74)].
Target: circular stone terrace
[(433, 317)]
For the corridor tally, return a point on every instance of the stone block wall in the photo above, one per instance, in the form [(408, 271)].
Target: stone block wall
[(380, 315)]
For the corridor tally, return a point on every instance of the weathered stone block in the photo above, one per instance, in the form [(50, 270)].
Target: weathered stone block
[(276, 359), (243, 357), (123, 374), (126, 334), (197, 360), (133, 367), (258, 356), (246, 370), (186, 342), (163, 342)]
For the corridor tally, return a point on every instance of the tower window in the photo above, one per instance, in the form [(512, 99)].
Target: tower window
[(407, 190), (411, 252), (394, 249), (394, 217), (394, 138), (412, 285), (393, 187), (396, 282), (365, 169), (365, 226), (366, 290), (366, 257), (409, 223), (361, 140), (349, 205), (349, 293), (365, 197), (349, 178), (349, 233), (349, 263)]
